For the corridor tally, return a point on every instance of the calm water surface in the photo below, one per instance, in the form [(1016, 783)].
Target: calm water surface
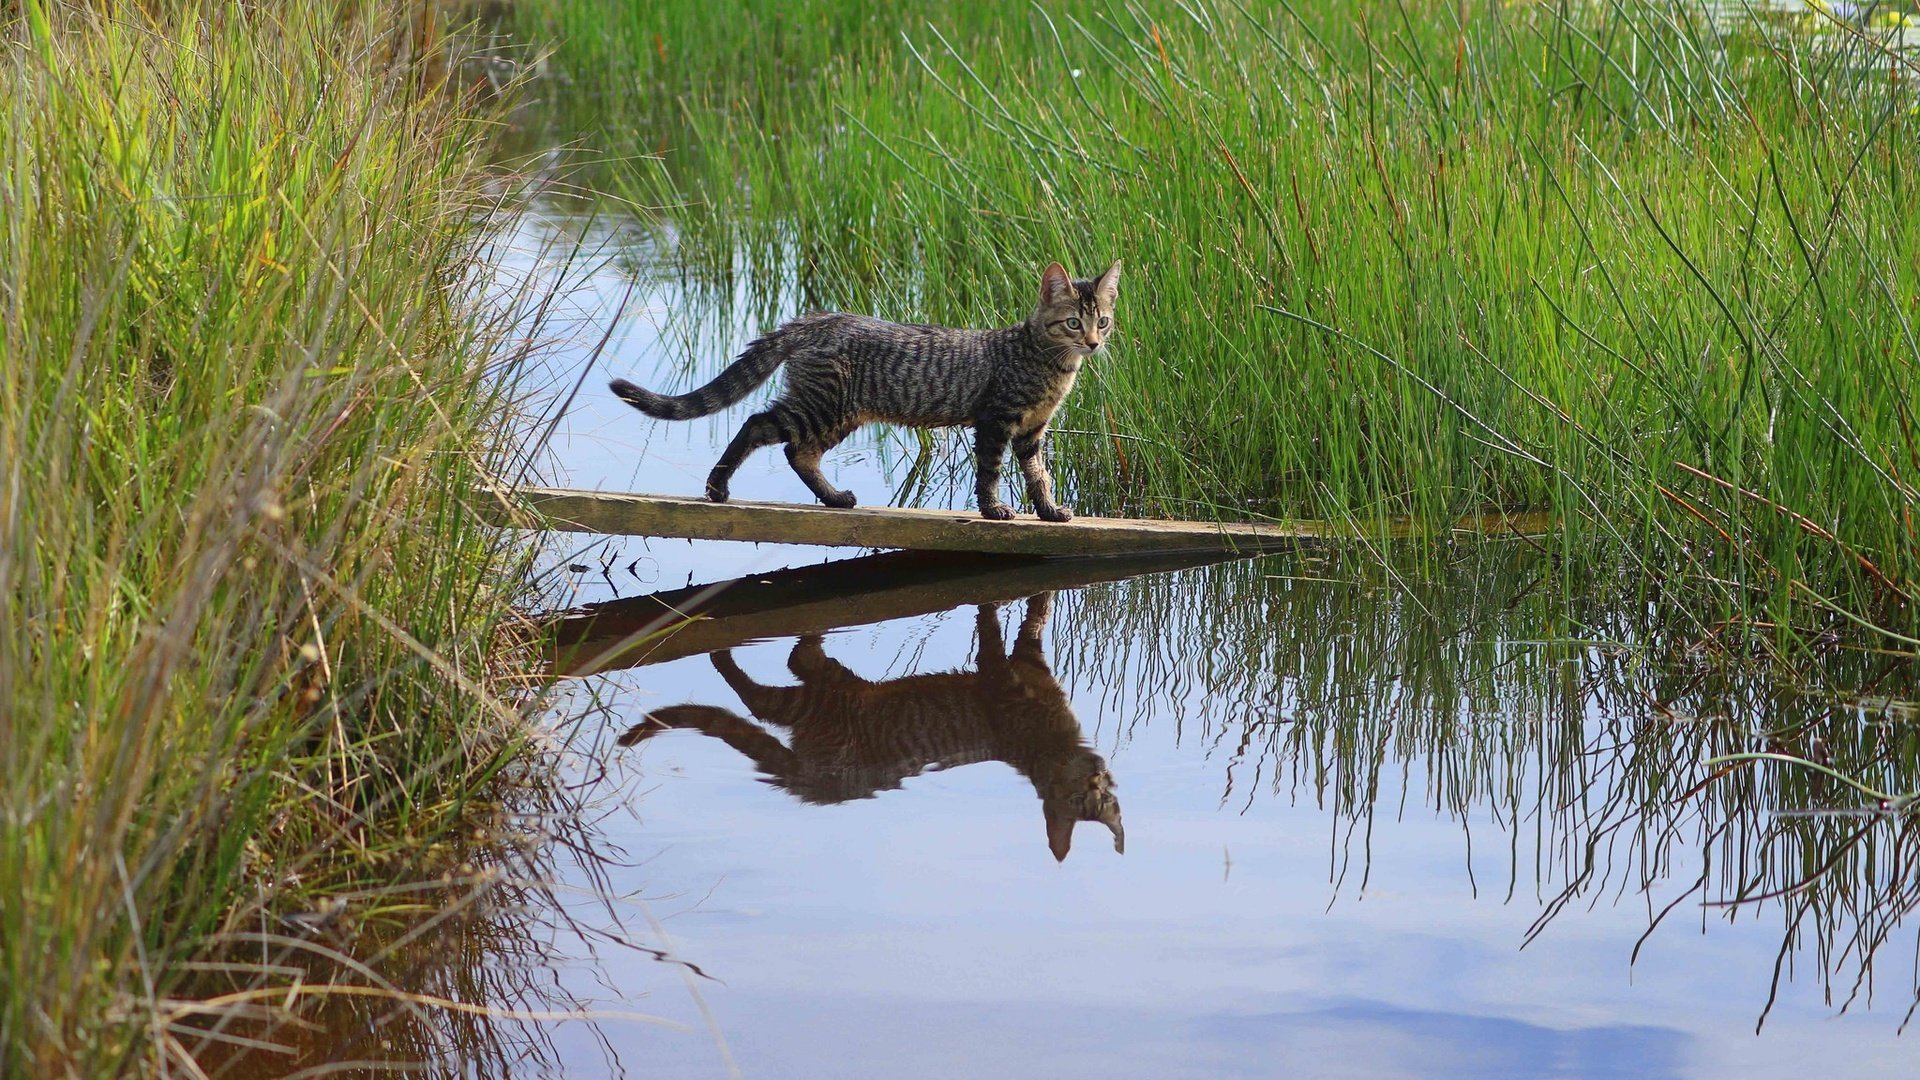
[(1376, 824)]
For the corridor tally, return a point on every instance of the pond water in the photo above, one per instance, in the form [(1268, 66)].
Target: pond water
[(1432, 819)]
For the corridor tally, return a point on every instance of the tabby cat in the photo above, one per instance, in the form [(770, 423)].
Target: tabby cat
[(853, 738), (846, 370)]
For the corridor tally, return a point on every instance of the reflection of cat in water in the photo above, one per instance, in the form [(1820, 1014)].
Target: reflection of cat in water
[(853, 738)]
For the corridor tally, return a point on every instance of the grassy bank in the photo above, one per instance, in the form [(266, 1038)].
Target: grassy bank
[(253, 647), (1649, 269)]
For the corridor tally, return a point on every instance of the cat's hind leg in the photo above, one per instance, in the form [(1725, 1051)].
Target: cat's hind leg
[(761, 429), (805, 459), (810, 663), (773, 704), (804, 454)]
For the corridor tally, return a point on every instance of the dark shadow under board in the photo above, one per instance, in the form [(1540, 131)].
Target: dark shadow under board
[(700, 619)]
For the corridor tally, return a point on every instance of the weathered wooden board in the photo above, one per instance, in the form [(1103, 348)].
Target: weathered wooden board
[(814, 599), (621, 514)]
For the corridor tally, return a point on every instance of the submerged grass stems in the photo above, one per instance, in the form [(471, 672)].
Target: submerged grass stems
[(1652, 266), (254, 635), (1581, 753)]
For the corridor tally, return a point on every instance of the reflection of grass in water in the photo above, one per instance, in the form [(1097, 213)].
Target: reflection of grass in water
[(1604, 258), (1597, 751), (253, 659), (451, 973)]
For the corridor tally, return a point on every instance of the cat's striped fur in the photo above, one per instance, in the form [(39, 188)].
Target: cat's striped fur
[(853, 738), (843, 371)]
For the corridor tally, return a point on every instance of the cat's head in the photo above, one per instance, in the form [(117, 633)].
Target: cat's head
[(1076, 316), (1082, 790)]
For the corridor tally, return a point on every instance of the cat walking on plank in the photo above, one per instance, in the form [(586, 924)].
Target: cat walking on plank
[(847, 370)]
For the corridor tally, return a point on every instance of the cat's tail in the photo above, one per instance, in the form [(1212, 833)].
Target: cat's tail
[(755, 365)]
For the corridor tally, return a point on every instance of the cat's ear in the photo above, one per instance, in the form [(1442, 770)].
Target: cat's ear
[(1059, 835), (1107, 289), (1055, 286)]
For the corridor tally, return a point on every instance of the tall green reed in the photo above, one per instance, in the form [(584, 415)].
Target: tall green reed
[(255, 639), (1645, 264)]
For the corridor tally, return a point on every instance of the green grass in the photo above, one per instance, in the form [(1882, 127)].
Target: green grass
[(256, 644), (1384, 258)]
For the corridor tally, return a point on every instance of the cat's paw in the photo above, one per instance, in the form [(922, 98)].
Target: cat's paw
[(997, 512), (841, 500), (1054, 513), (716, 490)]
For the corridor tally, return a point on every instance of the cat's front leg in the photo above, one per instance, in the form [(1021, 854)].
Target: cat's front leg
[(989, 446), (986, 625), (1028, 449)]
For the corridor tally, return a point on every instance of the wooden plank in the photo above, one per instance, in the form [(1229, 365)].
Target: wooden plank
[(621, 514), (815, 599)]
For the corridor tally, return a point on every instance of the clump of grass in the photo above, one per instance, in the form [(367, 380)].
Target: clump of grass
[(254, 635), (1646, 266)]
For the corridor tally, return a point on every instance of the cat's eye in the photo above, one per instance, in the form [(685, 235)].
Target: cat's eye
[(1073, 324), (1104, 321)]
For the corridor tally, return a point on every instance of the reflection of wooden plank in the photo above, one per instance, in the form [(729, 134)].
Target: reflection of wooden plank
[(814, 599), (926, 530)]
